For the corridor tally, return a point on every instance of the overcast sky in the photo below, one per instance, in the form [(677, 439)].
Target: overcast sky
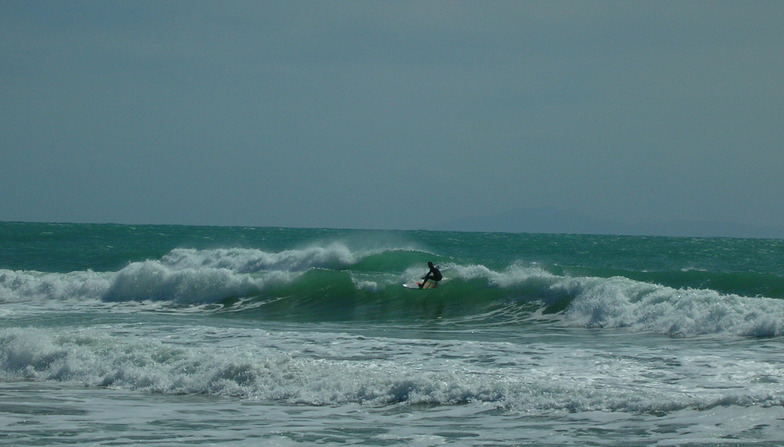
[(393, 115)]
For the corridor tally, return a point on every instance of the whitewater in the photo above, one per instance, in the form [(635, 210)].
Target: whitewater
[(165, 335)]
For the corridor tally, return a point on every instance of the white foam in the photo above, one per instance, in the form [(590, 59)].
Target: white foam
[(183, 275), (252, 260), (18, 286), (621, 302), (512, 276), (153, 280), (314, 369)]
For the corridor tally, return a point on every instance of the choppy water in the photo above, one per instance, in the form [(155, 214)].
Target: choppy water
[(124, 335)]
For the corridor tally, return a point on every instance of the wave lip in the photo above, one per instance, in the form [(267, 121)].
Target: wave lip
[(153, 280), (623, 303), (242, 260)]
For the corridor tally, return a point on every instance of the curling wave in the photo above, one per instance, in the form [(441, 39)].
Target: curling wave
[(334, 283)]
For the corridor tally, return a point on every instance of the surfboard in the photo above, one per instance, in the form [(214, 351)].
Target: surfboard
[(411, 285), (415, 285)]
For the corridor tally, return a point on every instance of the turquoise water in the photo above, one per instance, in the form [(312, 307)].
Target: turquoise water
[(116, 334)]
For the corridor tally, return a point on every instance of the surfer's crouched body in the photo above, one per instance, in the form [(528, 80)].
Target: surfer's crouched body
[(433, 275)]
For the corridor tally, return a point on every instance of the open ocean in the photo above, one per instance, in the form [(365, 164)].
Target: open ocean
[(172, 335)]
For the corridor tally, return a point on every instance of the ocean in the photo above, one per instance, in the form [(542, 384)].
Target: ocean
[(172, 335)]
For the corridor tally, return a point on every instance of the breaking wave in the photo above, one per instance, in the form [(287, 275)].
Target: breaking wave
[(334, 283)]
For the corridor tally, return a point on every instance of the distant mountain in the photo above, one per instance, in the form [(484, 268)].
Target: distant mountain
[(550, 220)]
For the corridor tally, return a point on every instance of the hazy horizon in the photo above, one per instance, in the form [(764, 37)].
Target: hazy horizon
[(399, 115)]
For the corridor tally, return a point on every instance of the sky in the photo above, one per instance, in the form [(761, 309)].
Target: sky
[(391, 115)]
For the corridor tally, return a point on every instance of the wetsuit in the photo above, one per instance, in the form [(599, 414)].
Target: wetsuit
[(434, 275)]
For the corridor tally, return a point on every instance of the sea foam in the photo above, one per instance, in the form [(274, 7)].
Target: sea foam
[(244, 260), (16, 286), (621, 302), (313, 369)]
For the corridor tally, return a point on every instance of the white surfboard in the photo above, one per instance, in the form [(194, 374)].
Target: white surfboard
[(411, 285), (415, 285)]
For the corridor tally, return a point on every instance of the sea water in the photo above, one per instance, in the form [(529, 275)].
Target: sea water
[(173, 335)]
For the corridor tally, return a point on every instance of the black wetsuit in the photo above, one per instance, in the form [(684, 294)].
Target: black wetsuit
[(434, 275)]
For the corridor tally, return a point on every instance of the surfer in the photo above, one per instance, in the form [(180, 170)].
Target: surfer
[(433, 274)]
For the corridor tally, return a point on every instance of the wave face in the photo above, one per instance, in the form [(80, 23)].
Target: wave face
[(333, 282)]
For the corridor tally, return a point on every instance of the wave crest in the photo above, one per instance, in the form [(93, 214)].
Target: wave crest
[(243, 260), (335, 283), (622, 303), (153, 280)]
